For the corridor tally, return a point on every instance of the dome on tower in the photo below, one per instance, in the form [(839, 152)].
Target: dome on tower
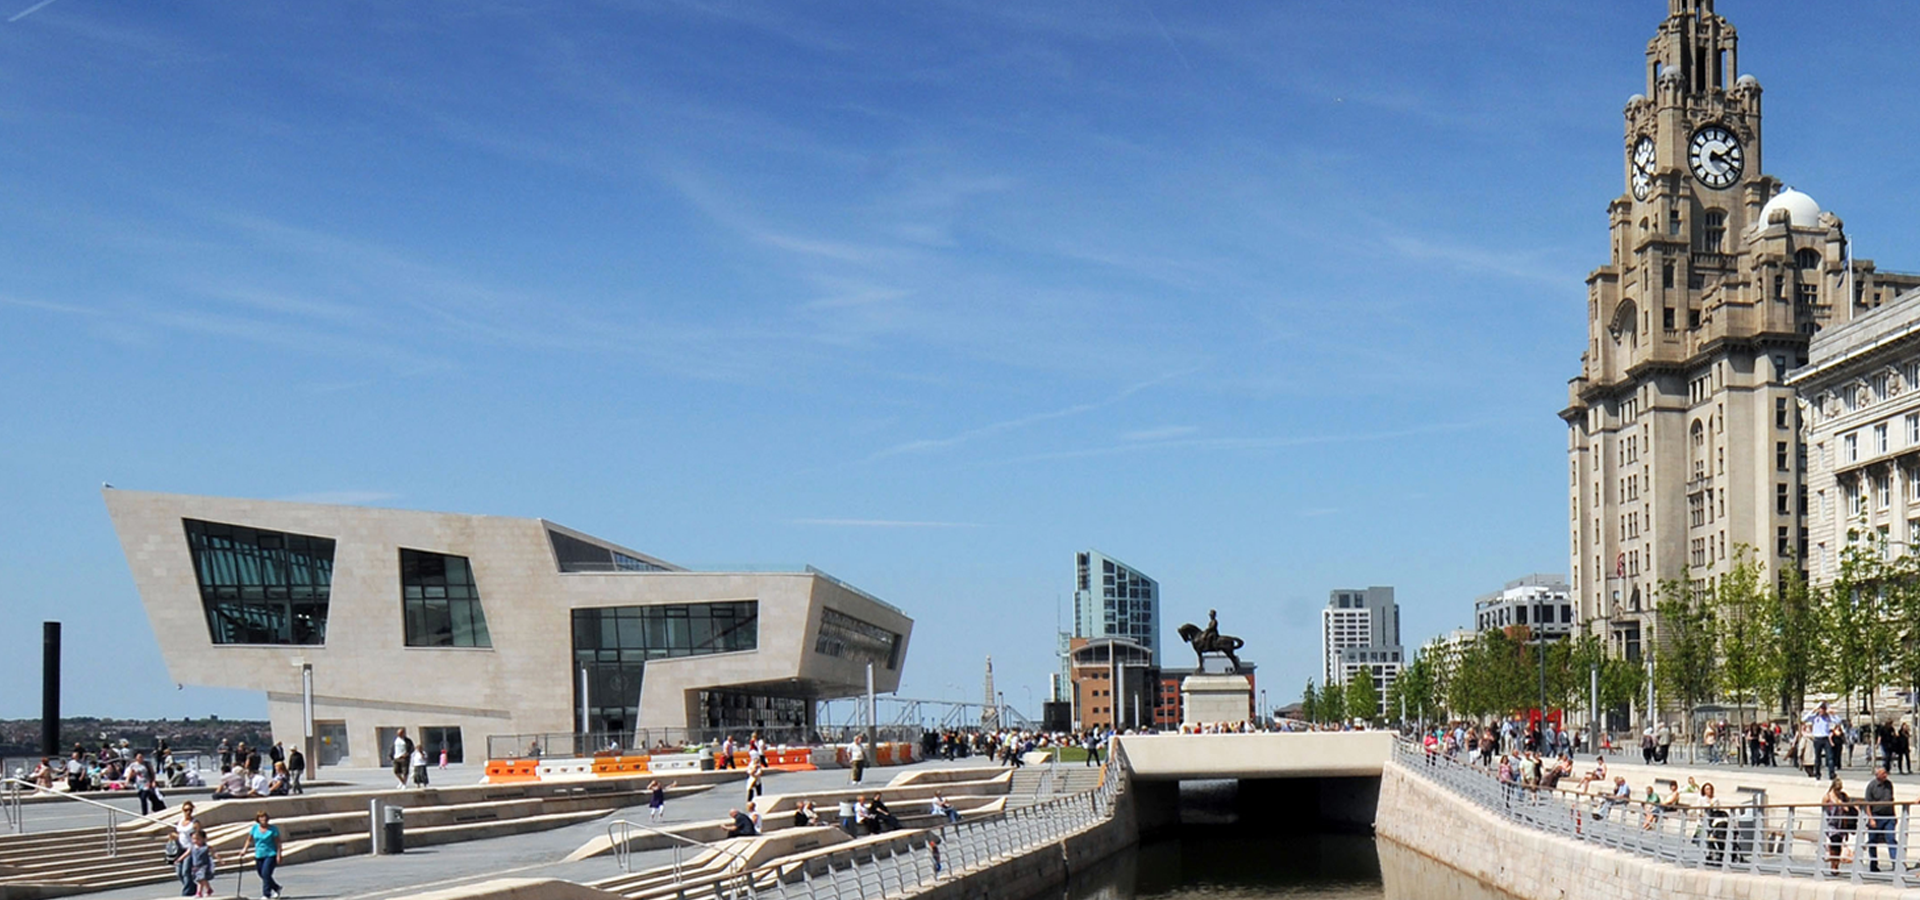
[(1801, 211), (1747, 81)]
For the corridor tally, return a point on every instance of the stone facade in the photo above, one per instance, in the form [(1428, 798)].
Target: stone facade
[(1682, 439), (1860, 405), (368, 679)]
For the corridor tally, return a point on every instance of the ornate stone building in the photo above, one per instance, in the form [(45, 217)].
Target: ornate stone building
[(1683, 435)]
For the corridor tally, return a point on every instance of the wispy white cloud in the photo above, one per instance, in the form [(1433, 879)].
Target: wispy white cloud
[(43, 4), (341, 498), (929, 444), (882, 523)]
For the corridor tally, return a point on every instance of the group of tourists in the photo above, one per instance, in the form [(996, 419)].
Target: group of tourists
[(195, 862)]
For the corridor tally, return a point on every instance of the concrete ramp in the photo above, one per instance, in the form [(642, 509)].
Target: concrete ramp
[(1195, 757)]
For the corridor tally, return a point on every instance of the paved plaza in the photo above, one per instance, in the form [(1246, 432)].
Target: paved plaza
[(535, 855)]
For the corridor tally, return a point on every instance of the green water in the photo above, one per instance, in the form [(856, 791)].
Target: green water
[(1222, 864)]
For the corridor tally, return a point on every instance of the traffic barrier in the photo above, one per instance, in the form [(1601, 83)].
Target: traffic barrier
[(565, 768), (620, 765), (512, 771)]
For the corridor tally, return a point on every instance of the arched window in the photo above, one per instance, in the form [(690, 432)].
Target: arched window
[(1806, 258), (1697, 448)]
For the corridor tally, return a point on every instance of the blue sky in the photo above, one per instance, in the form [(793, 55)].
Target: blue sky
[(1262, 298)]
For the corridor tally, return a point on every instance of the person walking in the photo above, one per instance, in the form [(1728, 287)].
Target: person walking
[(266, 853), (184, 831), (417, 764), (140, 776), (1903, 749), (753, 781), (402, 758), (857, 757), (1880, 820), (297, 768), (1839, 818), (657, 800), (1663, 742), (199, 866), (1825, 752)]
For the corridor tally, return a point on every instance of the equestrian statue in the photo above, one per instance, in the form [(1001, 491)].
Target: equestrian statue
[(1210, 640)]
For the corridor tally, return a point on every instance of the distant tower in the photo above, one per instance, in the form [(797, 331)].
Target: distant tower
[(990, 712)]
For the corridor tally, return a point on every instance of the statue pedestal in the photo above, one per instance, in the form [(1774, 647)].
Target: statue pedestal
[(1215, 699)]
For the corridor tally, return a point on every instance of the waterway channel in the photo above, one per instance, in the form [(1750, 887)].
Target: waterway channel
[(1222, 863)]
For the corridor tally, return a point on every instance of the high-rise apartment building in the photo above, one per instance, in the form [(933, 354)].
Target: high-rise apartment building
[(1683, 440), (1360, 632), (1112, 599)]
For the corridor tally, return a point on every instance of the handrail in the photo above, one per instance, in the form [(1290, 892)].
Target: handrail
[(1807, 840), (623, 855), (117, 811)]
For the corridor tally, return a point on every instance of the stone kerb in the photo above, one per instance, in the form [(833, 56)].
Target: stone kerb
[(1533, 865)]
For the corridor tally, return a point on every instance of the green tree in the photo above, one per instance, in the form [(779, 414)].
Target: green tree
[(1333, 703), (1685, 667), (1744, 631), (1797, 622), (1363, 697), (1902, 592), (1310, 703), (1853, 636), (1414, 691)]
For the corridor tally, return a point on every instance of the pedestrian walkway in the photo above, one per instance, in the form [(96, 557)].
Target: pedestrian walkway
[(537, 855)]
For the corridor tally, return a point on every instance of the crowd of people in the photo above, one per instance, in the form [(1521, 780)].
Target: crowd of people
[(243, 771), (1531, 761)]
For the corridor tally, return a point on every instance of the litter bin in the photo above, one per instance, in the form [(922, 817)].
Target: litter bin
[(393, 830)]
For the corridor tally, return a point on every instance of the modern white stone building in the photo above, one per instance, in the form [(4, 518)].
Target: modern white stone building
[(1538, 602), (462, 627), (1682, 439), (1860, 393)]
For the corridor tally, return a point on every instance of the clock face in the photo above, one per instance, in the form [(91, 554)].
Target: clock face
[(1716, 157), (1643, 168)]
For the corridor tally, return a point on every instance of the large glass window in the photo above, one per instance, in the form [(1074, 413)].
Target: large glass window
[(261, 587), (845, 636), (613, 644), (576, 555), (441, 601)]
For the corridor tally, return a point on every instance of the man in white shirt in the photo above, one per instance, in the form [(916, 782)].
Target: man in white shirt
[(1824, 725), (233, 783), (139, 777), (257, 786), (402, 758)]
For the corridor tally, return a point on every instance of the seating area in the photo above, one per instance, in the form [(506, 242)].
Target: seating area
[(316, 826)]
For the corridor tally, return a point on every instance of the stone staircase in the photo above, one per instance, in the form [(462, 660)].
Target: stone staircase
[(1068, 778), (72, 861)]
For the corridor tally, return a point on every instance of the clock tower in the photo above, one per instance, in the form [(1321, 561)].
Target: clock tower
[(1683, 436)]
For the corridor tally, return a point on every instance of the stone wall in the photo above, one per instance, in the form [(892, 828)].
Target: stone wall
[(1043, 870), (1534, 865)]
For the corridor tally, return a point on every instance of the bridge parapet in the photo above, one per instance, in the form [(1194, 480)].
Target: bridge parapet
[(1194, 757)]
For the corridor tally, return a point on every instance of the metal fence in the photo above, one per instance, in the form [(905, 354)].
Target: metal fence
[(946, 852), (573, 745), (1840, 843)]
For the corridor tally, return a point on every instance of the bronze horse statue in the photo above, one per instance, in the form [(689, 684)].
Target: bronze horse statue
[(1210, 640)]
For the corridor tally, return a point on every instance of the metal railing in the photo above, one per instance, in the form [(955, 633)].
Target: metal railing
[(15, 786), (1810, 840), (620, 834), (945, 852)]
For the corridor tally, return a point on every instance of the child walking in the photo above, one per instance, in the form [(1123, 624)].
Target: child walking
[(200, 864)]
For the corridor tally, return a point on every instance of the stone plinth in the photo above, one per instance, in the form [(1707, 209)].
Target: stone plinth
[(1215, 698)]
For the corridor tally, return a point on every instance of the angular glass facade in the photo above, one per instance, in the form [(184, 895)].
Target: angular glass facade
[(441, 601), (576, 555), (863, 642), (613, 643), (261, 587)]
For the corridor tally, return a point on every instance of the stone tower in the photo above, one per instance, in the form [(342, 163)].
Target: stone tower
[(1682, 434)]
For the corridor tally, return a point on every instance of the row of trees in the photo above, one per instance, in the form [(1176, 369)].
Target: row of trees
[(1742, 638), (1357, 699)]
